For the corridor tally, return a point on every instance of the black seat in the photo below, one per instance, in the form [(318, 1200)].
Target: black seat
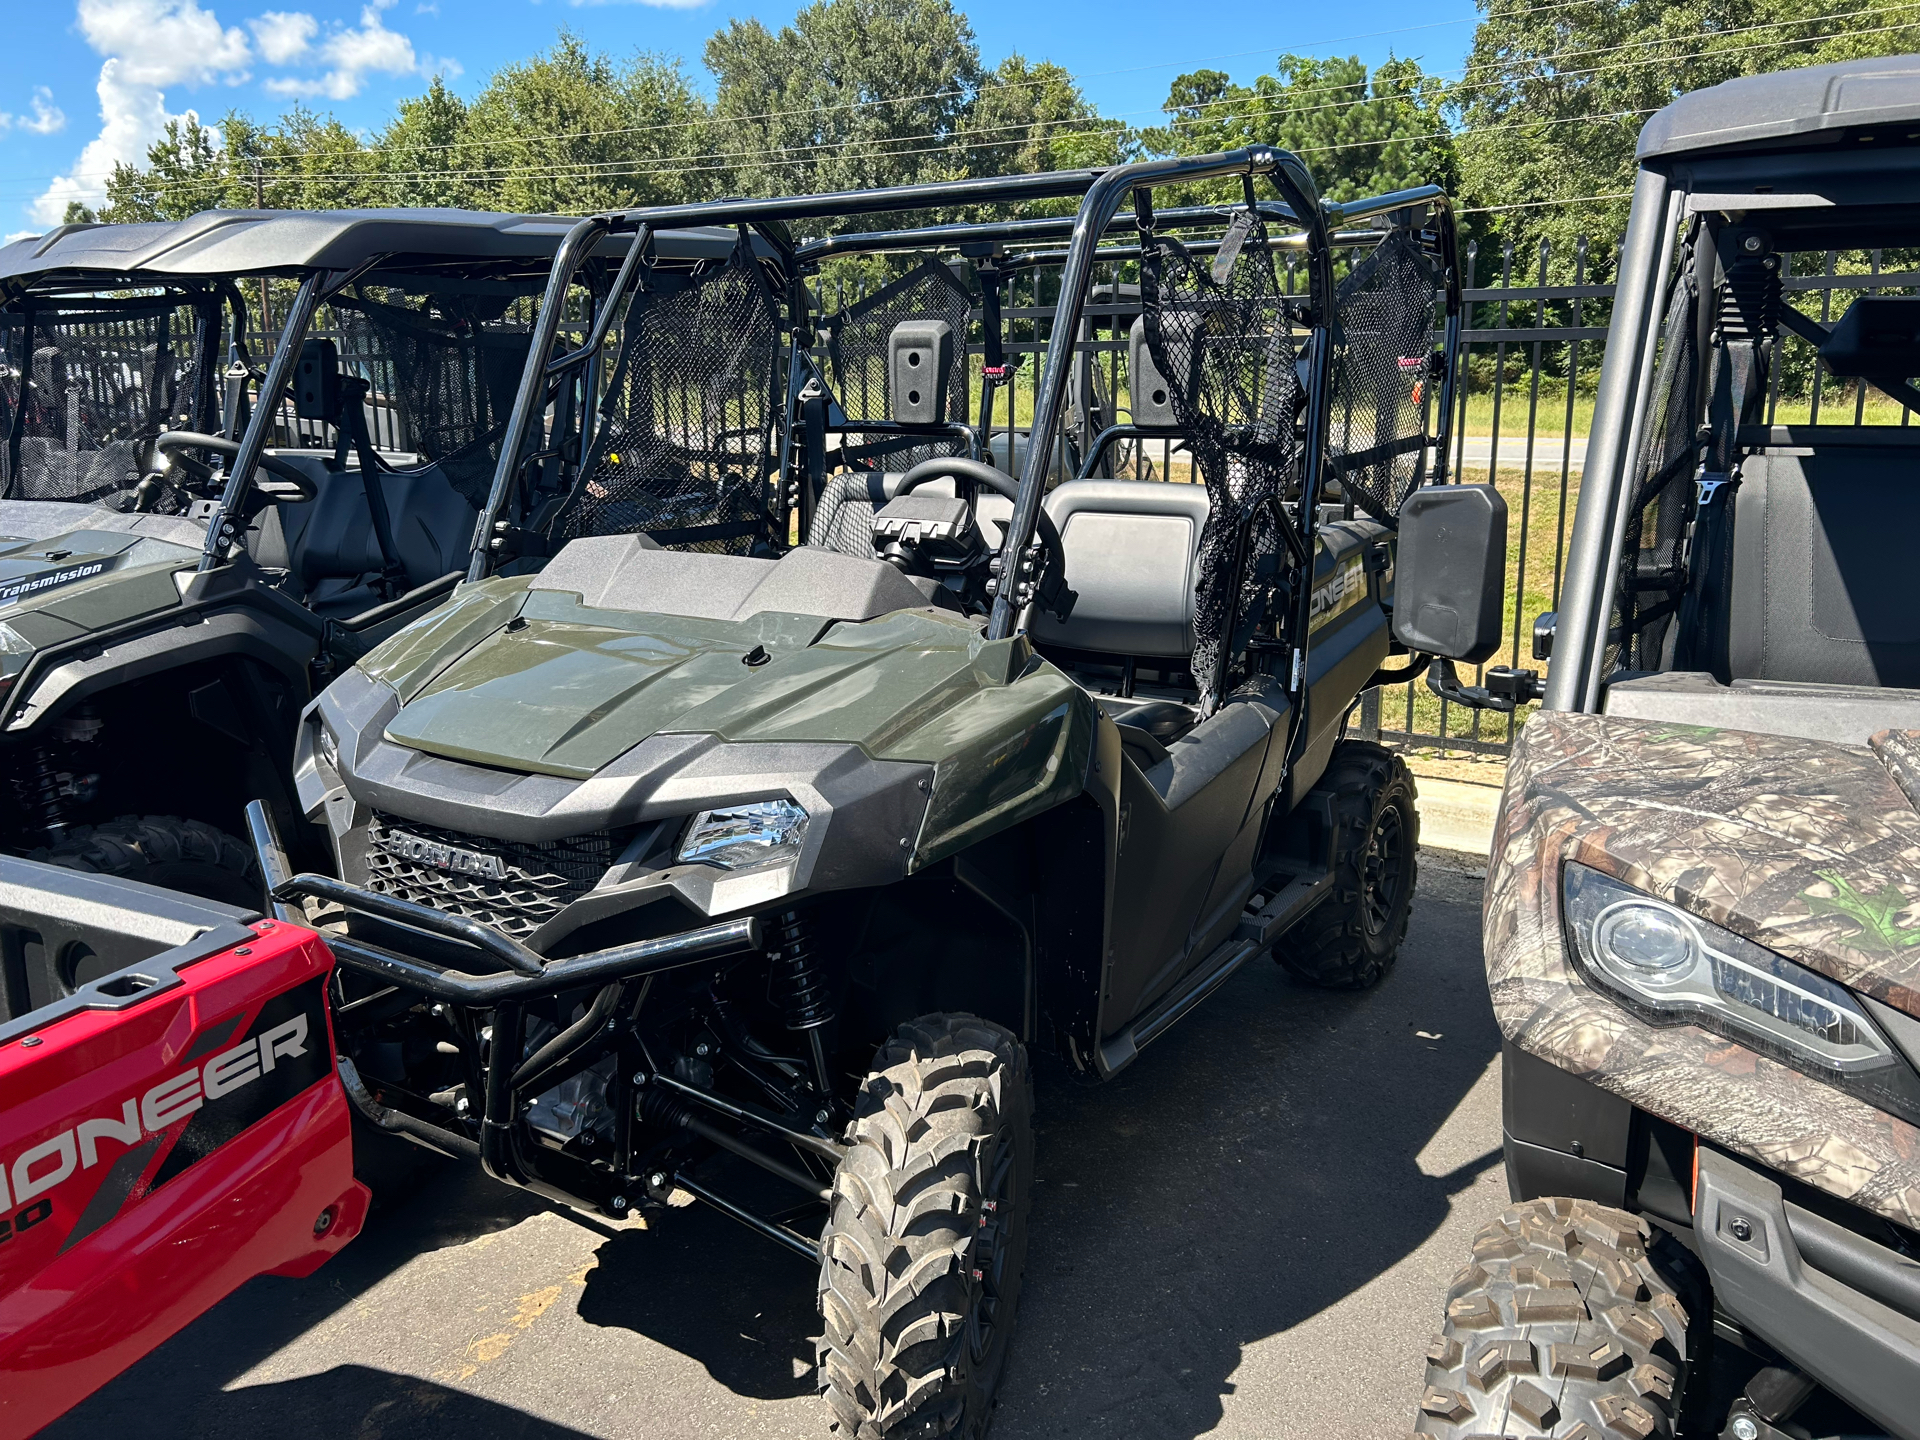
[(1822, 590), (329, 546)]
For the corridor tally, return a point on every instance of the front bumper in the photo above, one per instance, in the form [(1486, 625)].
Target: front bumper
[(1841, 1308)]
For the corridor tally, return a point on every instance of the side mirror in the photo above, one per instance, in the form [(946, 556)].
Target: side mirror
[(1449, 579)]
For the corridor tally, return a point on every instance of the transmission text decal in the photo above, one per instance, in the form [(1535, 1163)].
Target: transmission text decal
[(12, 590)]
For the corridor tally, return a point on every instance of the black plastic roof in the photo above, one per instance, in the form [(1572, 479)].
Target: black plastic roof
[(249, 242), (1822, 100)]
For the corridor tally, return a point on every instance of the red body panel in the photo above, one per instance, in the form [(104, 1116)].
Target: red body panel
[(154, 1159)]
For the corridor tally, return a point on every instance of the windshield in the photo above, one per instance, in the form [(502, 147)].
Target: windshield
[(85, 385)]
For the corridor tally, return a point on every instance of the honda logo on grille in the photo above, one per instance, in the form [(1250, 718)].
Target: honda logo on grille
[(423, 851)]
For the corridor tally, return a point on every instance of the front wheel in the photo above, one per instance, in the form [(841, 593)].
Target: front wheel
[(164, 850), (1565, 1323), (1350, 940), (927, 1233)]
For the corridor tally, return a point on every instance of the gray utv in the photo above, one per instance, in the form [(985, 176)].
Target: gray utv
[(673, 854), (1703, 907), (161, 626)]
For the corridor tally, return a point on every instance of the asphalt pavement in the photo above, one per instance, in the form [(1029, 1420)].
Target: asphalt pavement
[(1247, 1234)]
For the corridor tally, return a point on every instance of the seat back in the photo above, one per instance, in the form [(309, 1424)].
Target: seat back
[(1822, 589), (1132, 557), (331, 537)]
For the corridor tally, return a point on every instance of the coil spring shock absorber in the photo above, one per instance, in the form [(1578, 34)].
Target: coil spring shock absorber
[(800, 986), (37, 789)]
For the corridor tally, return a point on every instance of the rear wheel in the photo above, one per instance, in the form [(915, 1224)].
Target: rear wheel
[(1350, 940), (164, 850), (927, 1233), (1565, 1323)]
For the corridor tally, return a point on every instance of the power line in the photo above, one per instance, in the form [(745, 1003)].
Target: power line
[(1084, 128), (798, 154), (1544, 204), (675, 125)]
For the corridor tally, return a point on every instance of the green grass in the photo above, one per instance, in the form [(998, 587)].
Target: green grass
[(1514, 402)]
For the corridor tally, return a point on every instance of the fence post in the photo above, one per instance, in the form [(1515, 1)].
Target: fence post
[(1369, 714)]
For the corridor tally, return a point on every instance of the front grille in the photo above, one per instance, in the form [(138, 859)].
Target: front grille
[(528, 885)]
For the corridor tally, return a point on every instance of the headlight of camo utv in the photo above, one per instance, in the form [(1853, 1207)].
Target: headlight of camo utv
[(740, 836), (1671, 967)]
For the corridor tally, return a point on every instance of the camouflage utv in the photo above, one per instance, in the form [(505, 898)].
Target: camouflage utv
[(167, 609), (1703, 906), (677, 858)]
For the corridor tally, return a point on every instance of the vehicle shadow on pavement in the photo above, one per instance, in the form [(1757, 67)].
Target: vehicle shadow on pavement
[(366, 1404), (1253, 1168), (699, 1284)]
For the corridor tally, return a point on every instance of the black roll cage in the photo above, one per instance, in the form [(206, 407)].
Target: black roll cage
[(1101, 194)]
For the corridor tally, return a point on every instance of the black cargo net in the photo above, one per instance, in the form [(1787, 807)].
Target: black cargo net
[(1651, 576), (686, 448), (83, 393), (444, 367), (857, 342), (1383, 376), (1226, 350)]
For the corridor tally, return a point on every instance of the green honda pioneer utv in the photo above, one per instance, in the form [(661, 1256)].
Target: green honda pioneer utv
[(1703, 906), (161, 626), (751, 810)]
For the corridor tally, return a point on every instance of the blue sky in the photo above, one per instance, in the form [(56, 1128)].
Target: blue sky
[(86, 82)]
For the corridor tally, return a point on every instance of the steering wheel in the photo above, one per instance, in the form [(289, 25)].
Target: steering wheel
[(1050, 583), (294, 486)]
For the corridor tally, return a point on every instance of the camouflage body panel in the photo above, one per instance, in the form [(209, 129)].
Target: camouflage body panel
[(1811, 850)]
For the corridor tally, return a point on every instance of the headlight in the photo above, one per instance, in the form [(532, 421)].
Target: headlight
[(744, 835), (1671, 967), (325, 745)]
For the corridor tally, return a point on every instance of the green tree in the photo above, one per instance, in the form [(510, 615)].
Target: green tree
[(572, 131), (425, 154), (1029, 116), (853, 94), (1554, 97), (184, 174), (1359, 133)]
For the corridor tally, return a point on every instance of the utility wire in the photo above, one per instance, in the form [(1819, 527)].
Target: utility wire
[(788, 156), (293, 157), (1032, 132)]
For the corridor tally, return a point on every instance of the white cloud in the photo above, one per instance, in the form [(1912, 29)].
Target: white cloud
[(351, 55), (47, 118), (148, 45), (284, 36)]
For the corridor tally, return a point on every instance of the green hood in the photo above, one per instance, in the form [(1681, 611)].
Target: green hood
[(550, 686), (65, 586)]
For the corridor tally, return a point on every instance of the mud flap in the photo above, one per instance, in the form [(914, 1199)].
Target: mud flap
[(168, 1130)]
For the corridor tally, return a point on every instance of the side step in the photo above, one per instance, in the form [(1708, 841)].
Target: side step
[(1289, 904), (1255, 935)]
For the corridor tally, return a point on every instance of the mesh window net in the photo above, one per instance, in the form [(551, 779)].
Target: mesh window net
[(686, 448), (444, 366), (857, 351), (1227, 351), (1384, 374), (83, 392), (1651, 574)]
